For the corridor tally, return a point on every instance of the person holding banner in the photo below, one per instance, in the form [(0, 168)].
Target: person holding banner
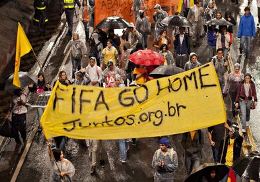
[(192, 143), (165, 162), (93, 72), (63, 169)]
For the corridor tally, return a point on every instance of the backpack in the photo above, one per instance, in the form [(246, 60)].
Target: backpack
[(77, 53), (171, 151)]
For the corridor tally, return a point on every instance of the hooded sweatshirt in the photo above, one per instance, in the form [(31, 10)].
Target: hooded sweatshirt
[(246, 26)]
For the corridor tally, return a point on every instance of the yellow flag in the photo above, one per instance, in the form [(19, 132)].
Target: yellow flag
[(191, 3), (180, 6), (23, 46)]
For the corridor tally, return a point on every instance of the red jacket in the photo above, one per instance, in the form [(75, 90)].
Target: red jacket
[(241, 92)]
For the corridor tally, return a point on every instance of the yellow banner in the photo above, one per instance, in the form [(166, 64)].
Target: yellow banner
[(188, 101), (23, 46)]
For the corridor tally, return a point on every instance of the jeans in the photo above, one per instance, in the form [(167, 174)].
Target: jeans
[(181, 60), (245, 112), (144, 40), (245, 44), (123, 147), (215, 154), (192, 161), (76, 65)]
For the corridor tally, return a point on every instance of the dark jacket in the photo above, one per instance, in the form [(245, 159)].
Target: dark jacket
[(192, 146), (183, 48), (236, 148), (212, 38), (241, 92)]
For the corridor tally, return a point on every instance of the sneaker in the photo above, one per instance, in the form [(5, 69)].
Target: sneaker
[(243, 130), (123, 161)]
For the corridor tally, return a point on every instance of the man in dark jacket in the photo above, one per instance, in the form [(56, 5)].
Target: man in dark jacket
[(182, 48), (232, 147), (40, 14), (192, 143), (69, 8)]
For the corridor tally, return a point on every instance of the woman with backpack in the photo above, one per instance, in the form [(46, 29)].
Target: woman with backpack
[(78, 49)]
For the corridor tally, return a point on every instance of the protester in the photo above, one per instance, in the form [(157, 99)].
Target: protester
[(193, 62), (124, 56), (132, 36), (192, 143), (144, 27), (140, 74), (40, 86), (168, 57), (230, 146), (80, 79), (63, 79), (223, 40), (216, 135), (158, 16), (78, 50), (109, 74), (165, 162), (246, 99), (63, 169), (86, 14), (232, 20), (109, 53), (220, 66), (212, 40), (195, 16), (163, 39), (93, 72), (181, 47), (40, 14), (69, 8), (137, 6), (19, 111), (232, 84), (115, 39), (246, 31)]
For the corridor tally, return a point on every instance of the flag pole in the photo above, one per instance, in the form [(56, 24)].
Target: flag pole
[(38, 62)]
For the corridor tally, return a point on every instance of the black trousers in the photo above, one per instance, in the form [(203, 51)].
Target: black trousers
[(69, 17), (19, 126)]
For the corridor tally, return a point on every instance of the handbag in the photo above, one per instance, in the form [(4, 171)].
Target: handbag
[(252, 105)]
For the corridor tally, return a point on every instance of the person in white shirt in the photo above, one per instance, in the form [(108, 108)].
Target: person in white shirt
[(93, 72), (19, 111)]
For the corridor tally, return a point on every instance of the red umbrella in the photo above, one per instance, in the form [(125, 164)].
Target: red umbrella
[(146, 57)]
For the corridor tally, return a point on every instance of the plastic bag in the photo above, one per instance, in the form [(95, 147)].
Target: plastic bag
[(80, 29)]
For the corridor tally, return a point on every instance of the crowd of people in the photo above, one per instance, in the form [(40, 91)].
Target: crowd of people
[(109, 66)]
